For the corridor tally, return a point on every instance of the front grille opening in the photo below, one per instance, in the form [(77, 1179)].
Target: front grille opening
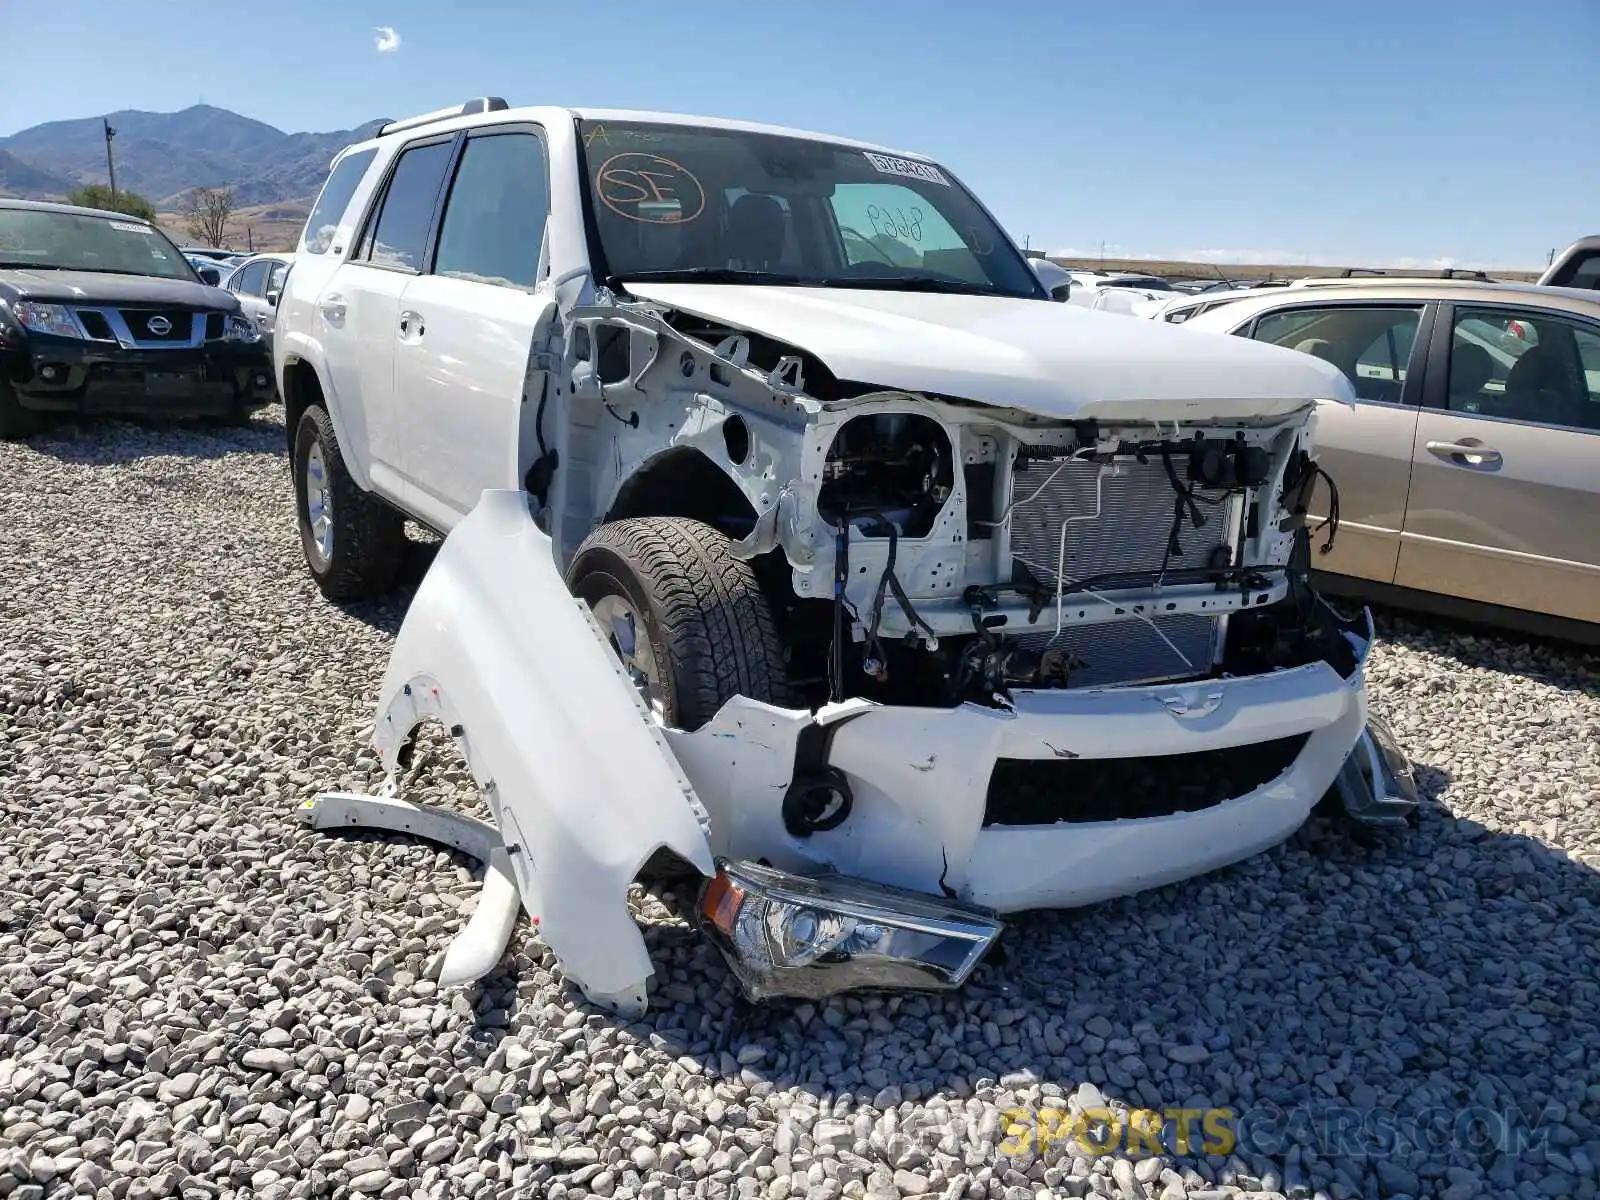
[(95, 325), (171, 325), (1053, 791)]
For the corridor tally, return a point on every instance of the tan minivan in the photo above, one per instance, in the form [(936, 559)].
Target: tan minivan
[(1468, 476)]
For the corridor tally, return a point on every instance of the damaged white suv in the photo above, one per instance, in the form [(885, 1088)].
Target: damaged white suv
[(905, 598)]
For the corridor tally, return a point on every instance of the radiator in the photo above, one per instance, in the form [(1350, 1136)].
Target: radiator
[(1136, 506), (1130, 534), (1129, 651)]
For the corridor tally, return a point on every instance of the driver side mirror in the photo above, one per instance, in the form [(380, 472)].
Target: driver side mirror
[(209, 275), (271, 299)]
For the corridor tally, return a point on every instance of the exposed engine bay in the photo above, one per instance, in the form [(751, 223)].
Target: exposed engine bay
[(927, 550)]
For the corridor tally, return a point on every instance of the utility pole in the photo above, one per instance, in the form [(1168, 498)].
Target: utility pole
[(1102, 252), (111, 167), (1551, 257)]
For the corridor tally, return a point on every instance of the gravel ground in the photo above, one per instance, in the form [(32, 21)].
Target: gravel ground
[(201, 998)]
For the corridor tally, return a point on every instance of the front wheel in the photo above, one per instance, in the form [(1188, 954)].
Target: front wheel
[(353, 541), (688, 620)]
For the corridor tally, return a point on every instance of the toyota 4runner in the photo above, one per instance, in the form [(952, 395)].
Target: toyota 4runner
[(904, 597)]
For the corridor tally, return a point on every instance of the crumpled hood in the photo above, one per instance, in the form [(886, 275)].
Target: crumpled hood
[(93, 287), (1043, 357)]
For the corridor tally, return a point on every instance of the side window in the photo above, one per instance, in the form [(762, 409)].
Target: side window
[(398, 237), (276, 276), (1371, 344), (251, 279), (893, 226), (494, 220), (323, 222), (1527, 365)]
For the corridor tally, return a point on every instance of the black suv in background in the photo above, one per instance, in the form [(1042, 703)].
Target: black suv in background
[(100, 312)]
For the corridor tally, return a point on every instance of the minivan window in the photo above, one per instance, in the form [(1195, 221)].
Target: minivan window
[(494, 220), (399, 236), (323, 222)]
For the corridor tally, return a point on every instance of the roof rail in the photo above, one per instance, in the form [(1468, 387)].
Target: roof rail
[(481, 104), (1352, 272), (1463, 273)]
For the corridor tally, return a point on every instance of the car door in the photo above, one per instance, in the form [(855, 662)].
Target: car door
[(359, 309), (1366, 451), (1505, 489), (470, 321), (277, 272), (249, 283)]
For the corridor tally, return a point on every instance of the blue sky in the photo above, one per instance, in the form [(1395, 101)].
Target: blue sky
[(1448, 131)]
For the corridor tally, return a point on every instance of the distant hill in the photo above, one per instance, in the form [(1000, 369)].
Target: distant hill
[(18, 178), (162, 155)]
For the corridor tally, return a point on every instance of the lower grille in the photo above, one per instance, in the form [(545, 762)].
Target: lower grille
[(1029, 792), (1129, 535), (1129, 651)]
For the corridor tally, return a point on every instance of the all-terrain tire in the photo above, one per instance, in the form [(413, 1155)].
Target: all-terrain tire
[(709, 625), (368, 536), (15, 421)]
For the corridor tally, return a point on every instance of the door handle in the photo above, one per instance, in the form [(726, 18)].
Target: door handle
[(332, 307), (1469, 452), (411, 324)]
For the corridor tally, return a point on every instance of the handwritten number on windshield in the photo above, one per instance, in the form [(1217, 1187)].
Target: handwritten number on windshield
[(902, 224)]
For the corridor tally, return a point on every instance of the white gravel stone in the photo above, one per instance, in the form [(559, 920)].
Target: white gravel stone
[(201, 998)]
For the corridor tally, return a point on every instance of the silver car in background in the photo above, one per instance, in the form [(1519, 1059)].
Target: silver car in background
[(1468, 477), (258, 282)]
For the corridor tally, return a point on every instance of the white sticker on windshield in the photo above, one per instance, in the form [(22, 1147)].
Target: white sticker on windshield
[(130, 227), (906, 167)]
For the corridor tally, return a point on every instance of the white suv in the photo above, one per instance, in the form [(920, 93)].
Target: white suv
[(918, 577)]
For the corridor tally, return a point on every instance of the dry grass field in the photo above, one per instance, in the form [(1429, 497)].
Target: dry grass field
[(259, 227)]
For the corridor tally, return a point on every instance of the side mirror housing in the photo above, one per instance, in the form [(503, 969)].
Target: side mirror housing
[(210, 275), (272, 299)]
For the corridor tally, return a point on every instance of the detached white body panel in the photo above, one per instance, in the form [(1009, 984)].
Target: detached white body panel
[(584, 787), (577, 778)]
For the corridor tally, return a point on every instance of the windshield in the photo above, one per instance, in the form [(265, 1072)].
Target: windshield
[(38, 238), (682, 202)]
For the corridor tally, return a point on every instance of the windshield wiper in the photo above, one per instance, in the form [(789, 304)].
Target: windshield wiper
[(707, 275), (29, 266)]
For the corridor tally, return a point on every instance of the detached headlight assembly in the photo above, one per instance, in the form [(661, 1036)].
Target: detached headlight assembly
[(809, 937), (53, 319), (240, 329)]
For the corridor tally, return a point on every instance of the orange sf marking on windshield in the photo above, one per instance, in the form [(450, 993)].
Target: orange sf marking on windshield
[(643, 187)]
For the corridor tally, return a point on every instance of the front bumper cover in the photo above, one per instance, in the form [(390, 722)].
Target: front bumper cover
[(70, 376)]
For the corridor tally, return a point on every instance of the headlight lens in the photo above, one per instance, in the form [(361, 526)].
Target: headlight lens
[(790, 935), (240, 329), (46, 318)]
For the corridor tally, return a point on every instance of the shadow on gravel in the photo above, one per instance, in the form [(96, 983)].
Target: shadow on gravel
[(1546, 659), (385, 615), (101, 441)]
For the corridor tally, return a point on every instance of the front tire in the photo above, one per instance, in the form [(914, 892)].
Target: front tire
[(353, 541), (687, 618)]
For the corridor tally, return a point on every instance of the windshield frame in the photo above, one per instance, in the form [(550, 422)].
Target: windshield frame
[(602, 273), (173, 254)]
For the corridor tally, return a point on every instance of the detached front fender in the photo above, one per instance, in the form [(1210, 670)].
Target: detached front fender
[(579, 780)]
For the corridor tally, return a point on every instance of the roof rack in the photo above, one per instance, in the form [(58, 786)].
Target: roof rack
[(481, 104), (1352, 272), (1463, 273)]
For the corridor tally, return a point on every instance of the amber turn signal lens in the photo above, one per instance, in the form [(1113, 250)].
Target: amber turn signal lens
[(721, 902)]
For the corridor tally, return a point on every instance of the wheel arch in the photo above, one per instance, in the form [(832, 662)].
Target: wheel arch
[(302, 387)]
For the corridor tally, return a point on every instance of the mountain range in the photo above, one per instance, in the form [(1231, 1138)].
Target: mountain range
[(163, 155)]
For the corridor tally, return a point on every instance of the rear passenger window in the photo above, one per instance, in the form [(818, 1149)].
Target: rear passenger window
[(495, 217), (326, 213), (1371, 344), (399, 236)]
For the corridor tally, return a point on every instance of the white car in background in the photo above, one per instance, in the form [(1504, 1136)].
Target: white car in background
[(258, 282)]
